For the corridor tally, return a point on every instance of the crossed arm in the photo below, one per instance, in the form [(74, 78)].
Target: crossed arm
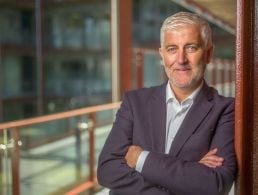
[(210, 159), (116, 171)]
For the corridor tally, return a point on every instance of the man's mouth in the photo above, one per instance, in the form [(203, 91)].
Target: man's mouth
[(182, 69)]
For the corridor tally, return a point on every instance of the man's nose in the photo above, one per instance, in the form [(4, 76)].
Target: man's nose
[(182, 57)]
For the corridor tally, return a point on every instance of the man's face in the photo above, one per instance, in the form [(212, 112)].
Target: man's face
[(184, 57)]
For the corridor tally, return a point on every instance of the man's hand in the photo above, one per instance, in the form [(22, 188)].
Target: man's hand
[(132, 155), (211, 159)]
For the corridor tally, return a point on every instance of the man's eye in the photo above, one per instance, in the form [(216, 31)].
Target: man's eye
[(191, 48), (171, 49)]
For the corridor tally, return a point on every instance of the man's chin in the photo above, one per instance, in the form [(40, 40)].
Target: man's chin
[(185, 84), (181, 84)]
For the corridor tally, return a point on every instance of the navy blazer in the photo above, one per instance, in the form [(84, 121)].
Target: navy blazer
[(141, 120)]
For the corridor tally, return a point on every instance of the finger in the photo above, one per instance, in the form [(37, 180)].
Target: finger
[(212, 165), (214, 158), (212, 152), (213, 161), (209, 164)]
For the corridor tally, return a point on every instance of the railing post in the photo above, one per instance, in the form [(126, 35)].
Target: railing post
[(15, 161), (91, 125), (78, 149)]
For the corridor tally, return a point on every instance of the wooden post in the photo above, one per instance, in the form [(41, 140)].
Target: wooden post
[(39, 57), (246, 119), (125, 45)]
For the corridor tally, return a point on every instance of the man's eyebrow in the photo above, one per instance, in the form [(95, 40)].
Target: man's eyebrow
[(197, 45), (170, 45)]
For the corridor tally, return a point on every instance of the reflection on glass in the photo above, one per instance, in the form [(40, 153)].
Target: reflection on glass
[(75, 50)]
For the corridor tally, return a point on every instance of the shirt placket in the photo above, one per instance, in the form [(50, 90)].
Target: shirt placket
[(174, 123)]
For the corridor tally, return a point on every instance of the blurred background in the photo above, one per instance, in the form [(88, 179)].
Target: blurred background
[(66, 63)]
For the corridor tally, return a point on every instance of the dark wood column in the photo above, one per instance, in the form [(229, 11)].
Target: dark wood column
[(39, 57), (125, 44), (247, 97)]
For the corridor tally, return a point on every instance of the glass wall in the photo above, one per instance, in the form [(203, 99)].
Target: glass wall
[(55, 157), (54, 56)]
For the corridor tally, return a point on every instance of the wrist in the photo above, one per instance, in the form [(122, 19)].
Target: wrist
[(141, 160)]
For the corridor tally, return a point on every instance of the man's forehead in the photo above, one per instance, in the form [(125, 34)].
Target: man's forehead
[(171, 40), (185, 35)]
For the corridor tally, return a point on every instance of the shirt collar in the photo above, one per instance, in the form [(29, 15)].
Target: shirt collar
[(170, 94)]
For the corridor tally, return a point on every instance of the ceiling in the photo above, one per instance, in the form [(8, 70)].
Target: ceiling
[(220, 12)]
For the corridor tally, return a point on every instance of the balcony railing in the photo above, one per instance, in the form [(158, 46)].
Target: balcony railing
[(25, 145)]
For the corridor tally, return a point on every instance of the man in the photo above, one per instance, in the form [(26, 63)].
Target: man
[(177, 138)]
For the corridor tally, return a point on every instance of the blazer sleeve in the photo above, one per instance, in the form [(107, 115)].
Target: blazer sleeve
[(112, 171), (185, 177)]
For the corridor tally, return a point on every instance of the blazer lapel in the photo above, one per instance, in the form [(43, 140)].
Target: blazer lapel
[(158, 119), (194, 117)]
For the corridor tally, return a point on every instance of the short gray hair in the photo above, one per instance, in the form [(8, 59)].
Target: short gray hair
[(182, 19)]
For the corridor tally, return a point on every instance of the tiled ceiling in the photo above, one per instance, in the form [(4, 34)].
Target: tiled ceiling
[(222, 9), (220, 12)]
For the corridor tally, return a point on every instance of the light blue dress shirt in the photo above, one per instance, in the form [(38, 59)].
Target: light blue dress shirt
[(176, 112)]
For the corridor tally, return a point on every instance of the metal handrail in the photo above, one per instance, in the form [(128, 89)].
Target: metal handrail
[(57, 116), (14, 128)]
